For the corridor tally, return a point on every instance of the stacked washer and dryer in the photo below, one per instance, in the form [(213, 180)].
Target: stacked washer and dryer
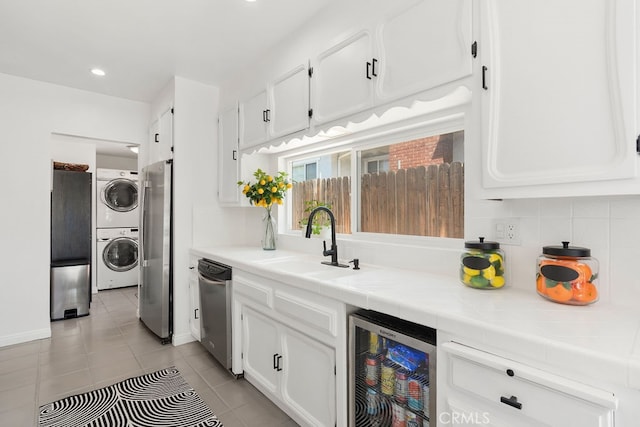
[(117, 228)]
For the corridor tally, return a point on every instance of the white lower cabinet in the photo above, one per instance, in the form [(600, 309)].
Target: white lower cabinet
[(294, 367), (194, 299), (292, 347), (480, 388)]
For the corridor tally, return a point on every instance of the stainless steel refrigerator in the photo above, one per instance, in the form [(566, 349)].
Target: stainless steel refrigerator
[(70, 281), (156, 286)]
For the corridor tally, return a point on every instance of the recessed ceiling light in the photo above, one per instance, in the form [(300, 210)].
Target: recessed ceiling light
[(250, 1), (98, 72)]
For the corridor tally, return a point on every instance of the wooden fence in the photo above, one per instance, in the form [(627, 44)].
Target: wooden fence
[(421, 201)]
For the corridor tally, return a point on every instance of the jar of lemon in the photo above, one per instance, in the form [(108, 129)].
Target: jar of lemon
[(482, 265)]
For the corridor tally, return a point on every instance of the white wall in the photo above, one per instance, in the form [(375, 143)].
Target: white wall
[(116, 162), (31, 111), (194, 168)]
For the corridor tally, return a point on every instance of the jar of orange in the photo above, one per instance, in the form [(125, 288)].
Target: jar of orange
[(567, 275)]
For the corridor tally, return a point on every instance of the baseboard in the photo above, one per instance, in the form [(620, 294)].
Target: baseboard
[(20, 338), (182, 339)]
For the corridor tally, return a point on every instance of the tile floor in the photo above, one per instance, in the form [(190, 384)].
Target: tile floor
[(110, 345)]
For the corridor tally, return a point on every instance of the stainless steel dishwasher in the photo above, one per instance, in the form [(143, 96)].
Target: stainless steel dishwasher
[(214, 282)]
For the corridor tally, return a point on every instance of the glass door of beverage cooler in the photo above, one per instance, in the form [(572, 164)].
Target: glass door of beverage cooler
[(392, 370)]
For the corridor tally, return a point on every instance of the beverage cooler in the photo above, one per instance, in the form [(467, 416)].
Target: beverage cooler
[(392, 372)]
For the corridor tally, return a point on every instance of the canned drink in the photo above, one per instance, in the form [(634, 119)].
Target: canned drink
[(387, 378), (372, 370), (425, 399), (374, 343), (412, 419), (414, 393), (398, 415), (402, 376), (373, 402)]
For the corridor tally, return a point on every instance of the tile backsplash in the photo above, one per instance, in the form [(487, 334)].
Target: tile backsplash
[(606, 225)]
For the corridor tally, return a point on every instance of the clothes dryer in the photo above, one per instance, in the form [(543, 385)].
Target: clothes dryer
[(117, 252), (116, 198)]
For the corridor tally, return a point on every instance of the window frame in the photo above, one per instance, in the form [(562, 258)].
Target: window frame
[(437, 123)]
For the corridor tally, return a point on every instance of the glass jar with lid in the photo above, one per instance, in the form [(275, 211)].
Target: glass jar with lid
[(482, 265), (567, 275)]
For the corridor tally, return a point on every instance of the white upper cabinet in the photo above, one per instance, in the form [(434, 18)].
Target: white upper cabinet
[(556, 85), (228, 158), (342, 77), (418, 46), (423, 46), (290, 102), (254, 117), (281, 109)]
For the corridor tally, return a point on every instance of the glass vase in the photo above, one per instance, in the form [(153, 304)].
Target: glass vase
[(269, 231)]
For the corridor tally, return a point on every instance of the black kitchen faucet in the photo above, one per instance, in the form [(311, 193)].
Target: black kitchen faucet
[(334, 247)]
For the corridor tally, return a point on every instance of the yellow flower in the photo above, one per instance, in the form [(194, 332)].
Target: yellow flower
[(279, 201), (289, 185), (245, 189), (269, 178), (274, 189), (260, 191), (280, 184), (263, 182)]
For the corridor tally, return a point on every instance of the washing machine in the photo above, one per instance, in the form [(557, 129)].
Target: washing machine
[(116, 198), (117, 253)]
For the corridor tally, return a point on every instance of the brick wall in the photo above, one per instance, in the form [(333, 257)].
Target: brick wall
[(432, 150)]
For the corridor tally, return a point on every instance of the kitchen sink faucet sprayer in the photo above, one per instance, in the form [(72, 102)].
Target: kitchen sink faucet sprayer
[(334, 248)]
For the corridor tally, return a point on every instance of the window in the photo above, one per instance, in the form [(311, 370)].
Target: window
[(302, 171), (417, 189), (332, 188), (410, 186)]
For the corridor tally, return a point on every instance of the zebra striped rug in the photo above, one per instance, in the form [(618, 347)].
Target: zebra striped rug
[(162, 398)]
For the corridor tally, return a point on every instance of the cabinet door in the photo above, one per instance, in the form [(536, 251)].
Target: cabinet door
[(228, 163), (308, 378), (290, 102), (160, 145), (556, 84), (342, 78), (194, 294), (260, 349), (423, 46), (254, 118)]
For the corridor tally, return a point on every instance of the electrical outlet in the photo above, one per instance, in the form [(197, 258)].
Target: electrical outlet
[(507, 231)]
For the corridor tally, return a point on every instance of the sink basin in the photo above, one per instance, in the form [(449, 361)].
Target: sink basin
[(309, 266)]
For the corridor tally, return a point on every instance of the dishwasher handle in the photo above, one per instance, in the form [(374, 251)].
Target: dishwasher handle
[(212, 270), (212, 281)]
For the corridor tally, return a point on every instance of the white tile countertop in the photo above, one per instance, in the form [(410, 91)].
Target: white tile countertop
[(599, 341)]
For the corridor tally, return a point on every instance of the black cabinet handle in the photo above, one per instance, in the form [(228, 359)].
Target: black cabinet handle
[(279, 368), (235, 155), (156, 138), (195, 313), (369, 70), (373, 68), (484, 78), (275, 358), (264, 115), (268, 115), (511, 401)]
